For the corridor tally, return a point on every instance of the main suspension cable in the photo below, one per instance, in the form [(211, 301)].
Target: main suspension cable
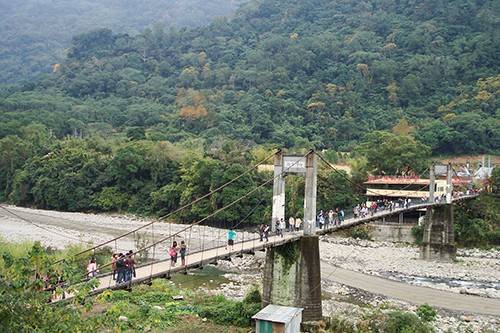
[(175, 211)]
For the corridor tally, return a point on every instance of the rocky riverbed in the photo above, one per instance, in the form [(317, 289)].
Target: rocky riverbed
[(341, 301), (475, 272), (60, 229)]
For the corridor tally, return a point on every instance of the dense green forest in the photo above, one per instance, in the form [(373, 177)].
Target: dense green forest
[(295, 73), (144, 123), (35, 33)]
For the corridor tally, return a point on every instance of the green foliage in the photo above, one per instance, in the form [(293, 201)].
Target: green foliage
[(253, 296), (417, 232), (32, 43), (335, 190), (426, 313), (360, 232), (391, 154), (387, 322), (293, 73), (495, 181), (23, 301), (405, 322), (477, 222), (223, 311), (289, 252)]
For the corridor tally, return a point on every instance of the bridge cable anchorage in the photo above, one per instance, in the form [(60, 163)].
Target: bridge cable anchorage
[(162, 240), (178, 209), (361, 187)]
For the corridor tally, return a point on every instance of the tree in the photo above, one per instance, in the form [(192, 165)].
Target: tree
[(389, 153)]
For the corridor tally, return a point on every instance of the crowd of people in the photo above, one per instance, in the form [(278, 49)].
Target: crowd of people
[(330, 219), (123, 266)]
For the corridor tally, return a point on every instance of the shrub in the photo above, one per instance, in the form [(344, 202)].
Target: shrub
[(360, 232), (253, 296), (418, 232), (224, 311), (405, 322), (338, 324), (426, 313)]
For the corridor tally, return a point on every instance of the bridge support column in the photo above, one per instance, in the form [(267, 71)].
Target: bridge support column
[(439, 238), (278, 213), (292, 276)]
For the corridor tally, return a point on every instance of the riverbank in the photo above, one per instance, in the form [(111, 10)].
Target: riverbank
[(341, 302), (476, 272), (59, 229)]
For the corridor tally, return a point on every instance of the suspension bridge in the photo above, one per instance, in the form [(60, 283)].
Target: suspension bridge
[(218, 250), (303, 274)]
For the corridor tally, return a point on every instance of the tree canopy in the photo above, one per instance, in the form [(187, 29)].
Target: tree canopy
[(295, 73)]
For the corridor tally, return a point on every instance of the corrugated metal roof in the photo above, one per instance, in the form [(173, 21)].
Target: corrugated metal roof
[(277, 313), (395, 180)]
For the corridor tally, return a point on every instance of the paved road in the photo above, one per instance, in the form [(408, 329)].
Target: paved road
[(412, 294)]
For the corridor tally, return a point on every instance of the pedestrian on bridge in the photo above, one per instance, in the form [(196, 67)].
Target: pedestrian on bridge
[(172, 252), (262, 227), (92, 269), (291, 223), (130, 264), (279, 228), (298, 223), (341, 216), (120, 269), (183, 251), (231, 237), (267, 228), (114, 258)]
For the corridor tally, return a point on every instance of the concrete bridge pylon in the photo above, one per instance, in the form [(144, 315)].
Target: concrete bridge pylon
[(292, 272)]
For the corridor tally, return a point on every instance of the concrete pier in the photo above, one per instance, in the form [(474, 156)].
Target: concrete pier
[(292, 276), (439, 237)]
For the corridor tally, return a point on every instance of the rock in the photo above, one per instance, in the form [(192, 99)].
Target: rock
[(157, 307), (123, 318), (178, 298), (466, 318), (204, 319)]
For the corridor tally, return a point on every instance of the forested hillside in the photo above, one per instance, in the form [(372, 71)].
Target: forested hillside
[(35, 33), (162, 117), (299, 73)]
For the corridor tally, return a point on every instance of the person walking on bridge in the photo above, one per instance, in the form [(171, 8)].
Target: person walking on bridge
[(279, 228), (261, 232), (172, 252), (130, 263), (183, 251), (92, 268), (341, 216), (231, 237), (291, 223), (298, 223), (114, 258), (266, 232), (120, 269)]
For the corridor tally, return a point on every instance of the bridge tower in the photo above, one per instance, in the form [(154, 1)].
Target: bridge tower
[(292, 274), (439, 237)]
